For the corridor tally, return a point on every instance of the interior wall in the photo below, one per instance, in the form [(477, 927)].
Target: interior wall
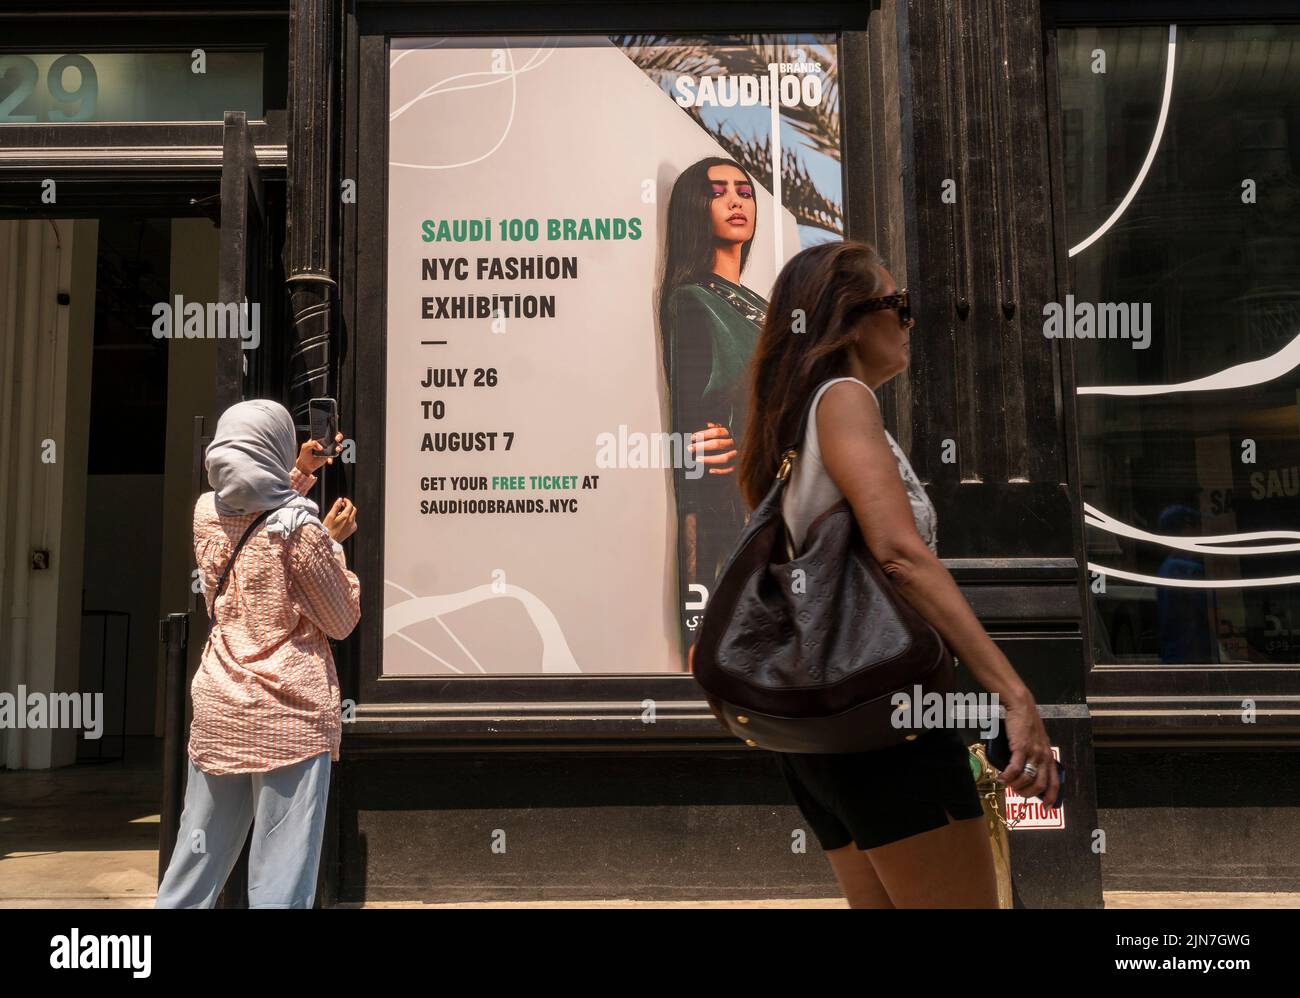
[(76, 441), (43, 349), (138, 526), (10, 316), (191, 383), (126, 461), (123, 559)]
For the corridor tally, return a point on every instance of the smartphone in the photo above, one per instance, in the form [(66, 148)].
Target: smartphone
[(998, 750), (324, 415)]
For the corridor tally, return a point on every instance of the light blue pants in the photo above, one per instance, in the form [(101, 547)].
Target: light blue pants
[(286, 808)]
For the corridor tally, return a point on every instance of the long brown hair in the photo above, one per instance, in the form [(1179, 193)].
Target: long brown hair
[(690, 245), (806, 338)]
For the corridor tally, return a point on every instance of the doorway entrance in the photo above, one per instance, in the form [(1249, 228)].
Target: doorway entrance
[(102, 425)]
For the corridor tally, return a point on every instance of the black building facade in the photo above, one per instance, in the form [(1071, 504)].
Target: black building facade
[(1001, 168)]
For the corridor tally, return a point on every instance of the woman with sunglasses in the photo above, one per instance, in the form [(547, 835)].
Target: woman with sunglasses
[(902, 826)]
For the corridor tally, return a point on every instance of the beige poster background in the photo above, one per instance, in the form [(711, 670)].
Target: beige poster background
[(533, 128)]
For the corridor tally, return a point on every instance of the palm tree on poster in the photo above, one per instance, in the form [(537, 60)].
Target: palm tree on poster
[(663, 58)]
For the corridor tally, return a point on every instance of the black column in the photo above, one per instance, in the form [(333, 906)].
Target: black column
[(313, 193), (986, 412), (309, 260)]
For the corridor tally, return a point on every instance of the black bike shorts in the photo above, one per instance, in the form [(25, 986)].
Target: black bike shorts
[(874, 798)]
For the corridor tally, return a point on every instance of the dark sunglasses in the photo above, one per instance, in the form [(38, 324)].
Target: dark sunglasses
[(898, 301)]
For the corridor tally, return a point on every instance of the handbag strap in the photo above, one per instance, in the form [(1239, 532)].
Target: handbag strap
[(225, 573), (787, 461)]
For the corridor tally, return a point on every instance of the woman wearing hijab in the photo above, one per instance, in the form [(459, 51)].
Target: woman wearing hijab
[(266, 697)]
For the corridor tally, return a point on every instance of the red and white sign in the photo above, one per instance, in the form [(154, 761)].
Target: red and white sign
[(1030, 812)]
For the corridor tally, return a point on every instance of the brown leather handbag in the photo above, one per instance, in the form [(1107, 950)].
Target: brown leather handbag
[(805, 653)]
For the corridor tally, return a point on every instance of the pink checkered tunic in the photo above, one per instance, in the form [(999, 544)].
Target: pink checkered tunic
[(266, 694)]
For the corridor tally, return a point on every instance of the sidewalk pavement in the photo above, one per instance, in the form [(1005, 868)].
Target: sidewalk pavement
[(84, 878), (87, 838)]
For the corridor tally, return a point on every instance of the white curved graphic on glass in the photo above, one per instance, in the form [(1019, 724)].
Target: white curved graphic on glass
[(1151, 152), (1252, 372), (510, 75), (556, 655), (1214, 544), (1159, 580)]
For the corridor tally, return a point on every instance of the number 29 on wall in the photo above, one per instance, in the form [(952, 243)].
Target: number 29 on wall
[(28, 79)]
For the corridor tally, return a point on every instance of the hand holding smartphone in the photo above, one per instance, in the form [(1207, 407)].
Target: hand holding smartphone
[(324, 416)]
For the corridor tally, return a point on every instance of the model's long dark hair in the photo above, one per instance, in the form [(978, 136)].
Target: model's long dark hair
[(690, 243), (821, 290)]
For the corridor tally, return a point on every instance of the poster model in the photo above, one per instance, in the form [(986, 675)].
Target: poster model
[(582, 234)]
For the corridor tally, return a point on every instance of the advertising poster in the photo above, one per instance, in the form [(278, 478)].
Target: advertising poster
[(582, 236)]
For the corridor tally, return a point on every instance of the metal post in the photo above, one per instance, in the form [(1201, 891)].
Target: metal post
[(174, 632)]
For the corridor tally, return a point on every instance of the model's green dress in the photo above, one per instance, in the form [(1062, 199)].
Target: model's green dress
[(713, 326)]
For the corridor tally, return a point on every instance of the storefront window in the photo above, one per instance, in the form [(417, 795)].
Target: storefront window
[(1182, 187), (195, 84), (567, 305)]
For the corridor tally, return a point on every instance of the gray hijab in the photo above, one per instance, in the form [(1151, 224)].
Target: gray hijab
[(248, 465)]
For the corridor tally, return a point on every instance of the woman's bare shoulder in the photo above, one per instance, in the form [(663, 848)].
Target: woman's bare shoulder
[(850, 388), (846, 400), (851, 433)]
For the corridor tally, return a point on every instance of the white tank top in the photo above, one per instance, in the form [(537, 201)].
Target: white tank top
[(811, 492)]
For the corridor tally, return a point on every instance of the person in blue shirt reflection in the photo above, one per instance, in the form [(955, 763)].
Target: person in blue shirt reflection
[(1185, 615)]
